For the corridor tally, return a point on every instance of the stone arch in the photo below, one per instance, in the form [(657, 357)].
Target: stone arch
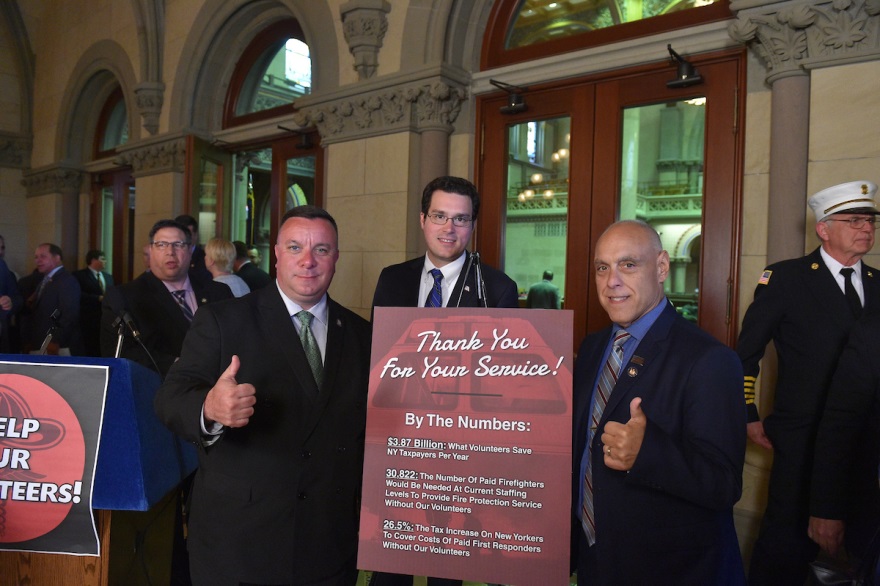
[(13, 29), (686, 241), (149, 16), (444, 31), (221, 32), (101, 69)]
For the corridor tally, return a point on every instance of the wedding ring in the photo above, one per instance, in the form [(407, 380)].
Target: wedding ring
[(608, 450)]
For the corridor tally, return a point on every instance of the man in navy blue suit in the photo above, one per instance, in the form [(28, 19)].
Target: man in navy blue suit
[(658, 446), (450, 206)]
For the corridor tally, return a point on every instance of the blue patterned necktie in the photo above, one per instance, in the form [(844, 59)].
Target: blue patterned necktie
[(310, 345), (607, 380), (180, 296), (435, 297)]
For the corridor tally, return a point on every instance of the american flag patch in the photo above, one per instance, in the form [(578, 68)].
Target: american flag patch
[(765, 277)]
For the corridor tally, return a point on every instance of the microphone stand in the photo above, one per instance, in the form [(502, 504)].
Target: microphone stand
[(120, 334), (481, 284), (473, 259), (53, 329)]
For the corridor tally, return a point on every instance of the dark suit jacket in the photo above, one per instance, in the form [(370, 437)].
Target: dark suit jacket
[(157, 315), (254, 276), (197, 268), (543, 295), (61, 293), (398, 286), (276, 501), (670, 518), (8, 287), (850, 427), (804, 312), (90, 308)]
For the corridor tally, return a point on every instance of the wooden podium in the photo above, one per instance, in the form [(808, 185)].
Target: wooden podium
[(140, 464)]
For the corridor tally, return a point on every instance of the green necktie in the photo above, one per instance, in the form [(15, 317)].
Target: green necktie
[(310, 345)]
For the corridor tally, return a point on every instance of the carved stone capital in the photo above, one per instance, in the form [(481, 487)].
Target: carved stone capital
[(417, 107), (364, 25), (57, 178), (793, 38), (164, 156), (149, 96), (15, 150)]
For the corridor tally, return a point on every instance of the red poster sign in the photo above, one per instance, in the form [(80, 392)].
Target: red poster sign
[(468, 449), (50, 425)]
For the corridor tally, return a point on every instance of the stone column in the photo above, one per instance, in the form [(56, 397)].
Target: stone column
[(789, 145)]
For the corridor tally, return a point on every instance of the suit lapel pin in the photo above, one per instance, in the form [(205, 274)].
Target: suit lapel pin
[(467, 288), (632, 371), (202, 301), (814, 266), (338, 323), (638, 360), (870, 274)]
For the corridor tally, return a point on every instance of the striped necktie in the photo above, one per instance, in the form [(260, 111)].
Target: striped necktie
[(435, 297), (180, 296), (607, 380)]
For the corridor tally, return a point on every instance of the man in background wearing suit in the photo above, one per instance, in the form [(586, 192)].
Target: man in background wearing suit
[(161, 302), (658, 432), (93, 283), (806, 307), (197, 266), (272, 387), (848, 450), (449, 212), (544, 295), (52, 289), (254, 276), (10, 303)]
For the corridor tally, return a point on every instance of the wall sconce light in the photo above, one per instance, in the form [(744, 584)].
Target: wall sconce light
[(686, 74), (516, 103), (305, 141), (537, 178)]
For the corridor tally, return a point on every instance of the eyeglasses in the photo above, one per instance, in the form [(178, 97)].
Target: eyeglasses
[(163, 246), (458, 221), (856, 223)]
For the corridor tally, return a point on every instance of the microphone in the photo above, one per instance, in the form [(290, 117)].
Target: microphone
[(129, 322)]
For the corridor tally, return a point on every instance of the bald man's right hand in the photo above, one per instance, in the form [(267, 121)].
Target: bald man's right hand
[(229, 403)]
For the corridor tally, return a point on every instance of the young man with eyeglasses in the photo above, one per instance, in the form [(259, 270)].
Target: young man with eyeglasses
[(806, 307), (450, 206), (449, 212), (161, 301)]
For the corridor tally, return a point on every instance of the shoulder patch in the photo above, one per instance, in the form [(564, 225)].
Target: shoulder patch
[(765, 278)]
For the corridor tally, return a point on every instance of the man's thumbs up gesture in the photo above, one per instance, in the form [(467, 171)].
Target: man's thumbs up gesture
[(228, 402), (622, 442)]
